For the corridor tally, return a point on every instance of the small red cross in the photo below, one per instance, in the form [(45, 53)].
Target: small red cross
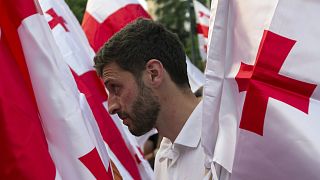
[(56, 20), (263, 80), (201, 14)]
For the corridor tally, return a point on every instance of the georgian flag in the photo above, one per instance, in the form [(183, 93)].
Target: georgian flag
[(75, 146), (24, 151), (202, 14), (103, 18), (78, 54), (261, 97)]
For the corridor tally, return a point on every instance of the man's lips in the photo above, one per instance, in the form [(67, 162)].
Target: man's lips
[(124, 119)]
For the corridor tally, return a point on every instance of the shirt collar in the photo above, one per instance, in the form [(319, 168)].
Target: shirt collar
[(190, 134)]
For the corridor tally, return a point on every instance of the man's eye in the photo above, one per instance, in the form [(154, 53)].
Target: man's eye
[(114, 89)]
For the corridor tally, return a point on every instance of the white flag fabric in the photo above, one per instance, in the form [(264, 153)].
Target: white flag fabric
[(261, 97), (195, 76), (202, 14), (75, 148)]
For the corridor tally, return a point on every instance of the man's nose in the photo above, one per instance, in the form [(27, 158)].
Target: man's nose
[(113, 104)]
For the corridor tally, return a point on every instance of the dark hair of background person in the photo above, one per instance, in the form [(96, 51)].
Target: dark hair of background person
[(199, 92)]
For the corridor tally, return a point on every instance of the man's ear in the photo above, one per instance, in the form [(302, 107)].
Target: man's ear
[(154, 72)]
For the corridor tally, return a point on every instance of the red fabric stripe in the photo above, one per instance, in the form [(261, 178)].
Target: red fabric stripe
[(136, 155), (93, 162), (10, 19), (91, 28), (19, 9), (98, 33), (202, 29), (90, 84), (23, 151)]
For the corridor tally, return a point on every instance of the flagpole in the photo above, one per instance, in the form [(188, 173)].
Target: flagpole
[(192, 25)]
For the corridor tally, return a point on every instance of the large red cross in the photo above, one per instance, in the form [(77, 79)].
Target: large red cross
[(263, 80), (56, 20)]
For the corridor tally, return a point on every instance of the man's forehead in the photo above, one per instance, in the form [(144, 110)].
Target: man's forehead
[(113, 71), (110, 70)]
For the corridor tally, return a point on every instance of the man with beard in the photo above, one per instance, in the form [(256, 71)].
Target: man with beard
[(145, 72)]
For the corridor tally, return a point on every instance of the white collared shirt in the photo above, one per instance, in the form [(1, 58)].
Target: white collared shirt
[(185, 158)]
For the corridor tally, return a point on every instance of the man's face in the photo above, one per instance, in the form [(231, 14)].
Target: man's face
[(133, 101)]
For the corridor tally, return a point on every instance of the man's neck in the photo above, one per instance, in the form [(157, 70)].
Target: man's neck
[(176, 108)]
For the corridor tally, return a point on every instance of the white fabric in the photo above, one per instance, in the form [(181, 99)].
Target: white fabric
[(144, 4), (290, 145), (73, 43), (195, 76), (184, 159), (101, 9)]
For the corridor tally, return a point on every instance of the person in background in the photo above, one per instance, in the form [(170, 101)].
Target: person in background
[(199, 92), (144, 69), (150, 148)]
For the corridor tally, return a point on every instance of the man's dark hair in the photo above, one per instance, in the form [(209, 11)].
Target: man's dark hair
[(140, 41)]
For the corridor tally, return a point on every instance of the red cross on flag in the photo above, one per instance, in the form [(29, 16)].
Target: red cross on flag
[(262, 97), (202, 25)]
